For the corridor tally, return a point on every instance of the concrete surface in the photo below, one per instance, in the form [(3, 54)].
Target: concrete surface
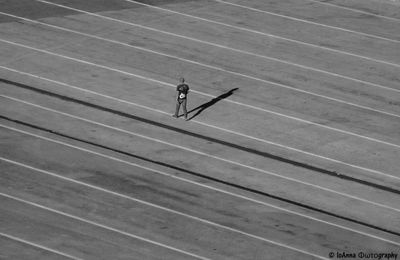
[(297, 158)]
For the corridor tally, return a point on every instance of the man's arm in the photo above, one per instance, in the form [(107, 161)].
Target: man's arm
[(177, 93)]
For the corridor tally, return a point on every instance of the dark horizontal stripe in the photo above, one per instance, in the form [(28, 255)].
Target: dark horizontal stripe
[(207, 138), (202, 176)]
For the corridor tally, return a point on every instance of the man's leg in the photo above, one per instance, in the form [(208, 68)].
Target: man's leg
[(178, 104), (184, 108)]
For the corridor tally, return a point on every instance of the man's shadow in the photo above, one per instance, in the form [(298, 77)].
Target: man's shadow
[(204, 106)]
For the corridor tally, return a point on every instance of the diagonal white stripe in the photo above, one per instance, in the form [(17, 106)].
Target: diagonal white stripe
[(354, 10), (209, 43), (308, 21), (209, 155), (255, 32), (103, 226), (189, 181), (232, 72), (38, 246), (202, 93), (215, 22), (161, 244), (195, 121)]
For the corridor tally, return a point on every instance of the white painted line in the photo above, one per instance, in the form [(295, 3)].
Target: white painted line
[(257, 32), (171, 211), (224, 70), (212, 44), (307, 21), (103, 226), (38, 246), (202, 93), (209, 155), (195, 121), (355, 10), (87, 91), (192, 182)]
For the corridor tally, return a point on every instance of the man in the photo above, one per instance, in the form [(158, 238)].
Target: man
[(181, 98)]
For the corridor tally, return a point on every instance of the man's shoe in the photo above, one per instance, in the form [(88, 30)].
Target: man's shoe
[(175, 116)]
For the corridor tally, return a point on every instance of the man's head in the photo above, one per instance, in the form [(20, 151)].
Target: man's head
[(181, 80)]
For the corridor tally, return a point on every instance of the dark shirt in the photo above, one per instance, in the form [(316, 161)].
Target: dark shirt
[(182, 89)]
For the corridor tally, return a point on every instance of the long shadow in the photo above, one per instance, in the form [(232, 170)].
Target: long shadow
[(208, 138), (204, 106), (304, 165)]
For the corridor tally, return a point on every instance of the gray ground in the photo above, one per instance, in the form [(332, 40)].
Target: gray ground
[(291, 150)]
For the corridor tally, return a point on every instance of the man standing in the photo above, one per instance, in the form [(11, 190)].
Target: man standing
[(181, 98)]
